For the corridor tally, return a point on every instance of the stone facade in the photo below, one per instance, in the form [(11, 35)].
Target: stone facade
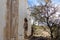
[(10, 16), (12, 20), (23, 12)]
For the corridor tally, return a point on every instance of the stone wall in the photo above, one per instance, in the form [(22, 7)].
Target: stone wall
[(23, 12), (2, 18)]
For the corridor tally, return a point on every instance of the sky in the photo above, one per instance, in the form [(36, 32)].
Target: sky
[(56, 1), (34, 2)]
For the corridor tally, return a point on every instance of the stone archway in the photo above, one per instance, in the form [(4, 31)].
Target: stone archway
[(11, 32)]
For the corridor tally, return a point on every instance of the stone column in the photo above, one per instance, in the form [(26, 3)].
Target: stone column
[(12, 20)]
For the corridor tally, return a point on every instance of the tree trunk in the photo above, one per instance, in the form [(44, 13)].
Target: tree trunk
[(50, 29), (51, 33)]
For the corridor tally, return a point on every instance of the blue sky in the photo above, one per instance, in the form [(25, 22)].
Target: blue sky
[(34, 2), (56, 1)]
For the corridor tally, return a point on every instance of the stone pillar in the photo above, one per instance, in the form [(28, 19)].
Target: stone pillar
[(12, 20)]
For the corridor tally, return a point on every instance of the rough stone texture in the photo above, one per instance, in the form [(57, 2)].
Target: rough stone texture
[(23, 12), (12, 20), (4, 18)]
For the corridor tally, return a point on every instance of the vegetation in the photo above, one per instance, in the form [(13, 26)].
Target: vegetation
[(43, 14)]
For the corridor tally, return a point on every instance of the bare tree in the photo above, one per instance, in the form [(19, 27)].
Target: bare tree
[(43, 13)]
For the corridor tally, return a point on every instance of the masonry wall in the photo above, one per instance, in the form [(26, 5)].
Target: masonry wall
[(2, 18), (23, 12)]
